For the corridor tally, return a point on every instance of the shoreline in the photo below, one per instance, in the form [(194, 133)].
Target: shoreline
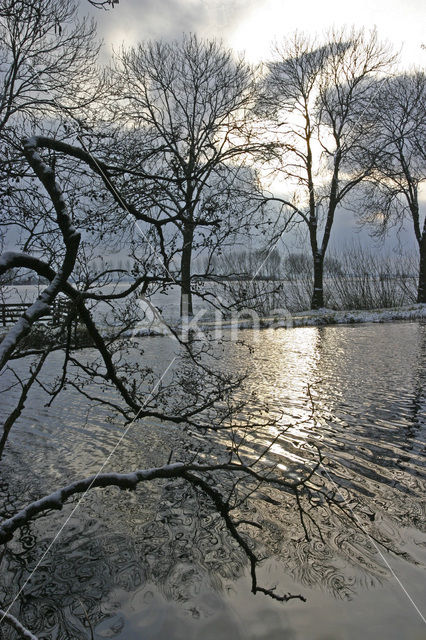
[(310, 318)]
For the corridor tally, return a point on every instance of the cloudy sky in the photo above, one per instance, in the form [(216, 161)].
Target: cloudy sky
[(252, 26)]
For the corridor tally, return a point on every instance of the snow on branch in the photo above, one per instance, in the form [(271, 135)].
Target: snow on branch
[(14, 622), (46, 175), (10, 260), (57, 499), (43, 269), (191, 472), (71, 240)]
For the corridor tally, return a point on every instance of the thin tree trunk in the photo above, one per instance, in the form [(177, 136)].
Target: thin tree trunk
[(318, 292), (186, 295), (421, 292)]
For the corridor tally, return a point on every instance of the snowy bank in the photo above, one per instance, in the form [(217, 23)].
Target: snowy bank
[(330, 316), (318, 317), (156, 325)]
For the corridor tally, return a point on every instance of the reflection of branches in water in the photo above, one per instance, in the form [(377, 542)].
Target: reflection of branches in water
[(134, 574), (222, 507), (176, 551), (125, 564), (25, 387), (419, 399), (249, 491)]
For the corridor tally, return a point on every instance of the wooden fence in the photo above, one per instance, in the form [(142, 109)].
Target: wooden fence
[(58, 313)]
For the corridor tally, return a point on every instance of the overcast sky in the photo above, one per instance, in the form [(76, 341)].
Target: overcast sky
[(252, 26)]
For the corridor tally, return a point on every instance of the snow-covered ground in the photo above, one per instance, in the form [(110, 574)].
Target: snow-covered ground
[(158, 326), (330, 316)]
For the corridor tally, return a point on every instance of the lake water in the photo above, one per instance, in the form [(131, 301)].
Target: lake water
[(156, 563)]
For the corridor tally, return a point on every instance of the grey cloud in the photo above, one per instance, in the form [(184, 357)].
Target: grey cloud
[(136, 20)]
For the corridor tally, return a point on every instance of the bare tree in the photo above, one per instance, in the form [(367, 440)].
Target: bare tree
[(198, 398), (46, 214), (47, 60), (48, 70), (187, 106), (54, 253), (315, 94), (396, 148)]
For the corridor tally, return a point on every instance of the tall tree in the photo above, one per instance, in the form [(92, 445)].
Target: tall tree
[(314, 94), (397, 149), (188, 107)]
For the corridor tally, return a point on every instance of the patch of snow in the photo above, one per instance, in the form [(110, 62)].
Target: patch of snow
[(13, 335), (14, 622), (7, 257)]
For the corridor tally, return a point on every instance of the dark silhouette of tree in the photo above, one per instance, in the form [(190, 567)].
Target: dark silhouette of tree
[(396, 147), (185, 175), (314, 95), (104, 4), (187, 108), (41, 173)]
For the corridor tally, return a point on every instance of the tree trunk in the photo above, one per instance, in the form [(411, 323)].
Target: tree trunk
[(318, 292), (185, 267), (421, 291)]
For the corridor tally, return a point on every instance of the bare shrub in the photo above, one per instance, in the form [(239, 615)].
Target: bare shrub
[(369, 280)]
